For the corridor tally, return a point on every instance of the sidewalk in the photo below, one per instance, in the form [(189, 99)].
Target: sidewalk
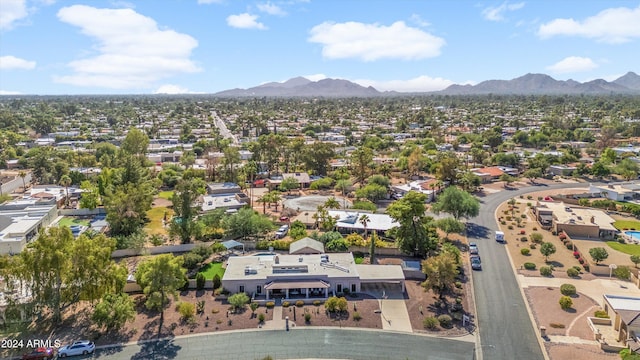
[(278, 323)]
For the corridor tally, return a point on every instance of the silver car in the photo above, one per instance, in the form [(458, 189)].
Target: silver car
[(82, 347)]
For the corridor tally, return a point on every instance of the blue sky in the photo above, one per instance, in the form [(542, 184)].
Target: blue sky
[(205, 46)]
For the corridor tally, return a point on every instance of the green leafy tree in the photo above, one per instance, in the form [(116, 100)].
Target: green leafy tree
[(65, 181), (532, 174), (90, 197), (372, 247), (361, 160), (239, 300), (372, 192), (635, 259), (364, 220), (470, 181), (414, 233), (332, 203), (598, 254), (458, 203), (135, 143), (449, 225), (288, 184), (247, 222), (599, 169), (316, 157), (183, 199), (547, 249), (507, 179), (441, 272), (160, 277), (114, 311), (298, 230)]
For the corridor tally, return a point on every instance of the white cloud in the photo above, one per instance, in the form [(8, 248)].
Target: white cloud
[(132, 51), (173, 89), (9, 92), (418, 20), (615, 25), (245, 21), (497, 13), (271, 9), (418, 84), (12, 11), (315, 77), (371, 42), (11, 62), (573, 64)]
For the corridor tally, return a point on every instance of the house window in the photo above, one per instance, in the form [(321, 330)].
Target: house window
[(259, 289), (241, 288), (339, 288), (353, 288)]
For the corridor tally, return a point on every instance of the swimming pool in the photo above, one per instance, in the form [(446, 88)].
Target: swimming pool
[(635, 235), (264, 254)]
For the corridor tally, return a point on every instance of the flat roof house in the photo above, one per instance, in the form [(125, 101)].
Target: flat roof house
[(617, 192), (303, 276), (20, 221), (577, 221)]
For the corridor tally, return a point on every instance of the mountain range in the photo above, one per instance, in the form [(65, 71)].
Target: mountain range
[(529, 84)]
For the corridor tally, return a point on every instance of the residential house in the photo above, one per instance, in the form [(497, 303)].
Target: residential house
[(577, 222), (561, 170), (306, 246), (20, 221)]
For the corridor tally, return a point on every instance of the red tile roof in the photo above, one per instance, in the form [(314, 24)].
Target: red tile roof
[(493, 171)]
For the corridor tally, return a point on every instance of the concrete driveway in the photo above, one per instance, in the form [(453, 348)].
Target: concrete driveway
[(395, 316)]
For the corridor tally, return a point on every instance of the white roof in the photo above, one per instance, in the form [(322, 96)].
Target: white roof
[(212, 202), (351, 220), (623, 302)]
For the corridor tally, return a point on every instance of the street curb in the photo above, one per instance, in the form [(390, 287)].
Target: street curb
[(524, 297), (476, 334)]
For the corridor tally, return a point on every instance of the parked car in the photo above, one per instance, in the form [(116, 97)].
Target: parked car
[(282, 232), (473, 248), (40, 353), (476, 263), (82, 347)]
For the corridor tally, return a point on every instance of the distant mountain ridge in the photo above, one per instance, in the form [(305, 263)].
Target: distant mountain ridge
[(529, 84)]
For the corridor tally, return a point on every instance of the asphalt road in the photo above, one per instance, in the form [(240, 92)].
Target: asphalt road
[(305, 343), (505, 328)]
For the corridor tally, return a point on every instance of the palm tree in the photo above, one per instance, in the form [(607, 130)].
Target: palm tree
[(23, 174), (275, 198), (65, 181), (365, 220), (264, 200), (332, 203)]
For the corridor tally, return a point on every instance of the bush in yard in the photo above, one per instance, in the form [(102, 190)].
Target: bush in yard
[(445, 321), (635, 259), (581, 260), (572, 272), (307, 318), (567, 289), (546, 271), (299, 303), (529, 266), (576, 254), (586, 267), (569, 245), (261, 317), (536, 237), (562, 236), (187, 310), (430, 323), (285, 304), (217, 282), (270, 304), (598, 254), (356, 316), (200, 280), (533, 246), (601, 314), (565, 302), (525, 251), (524, 238), (510, 227), (622, 273), (238, 301), (317, 302)]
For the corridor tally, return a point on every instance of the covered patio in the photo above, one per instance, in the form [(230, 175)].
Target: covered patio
[(306, 289)]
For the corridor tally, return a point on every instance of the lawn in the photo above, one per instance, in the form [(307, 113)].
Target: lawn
[(165, 194), (70, 221), (211, 269), (631, 249), (358, 259), (155, 215), (627, 224)]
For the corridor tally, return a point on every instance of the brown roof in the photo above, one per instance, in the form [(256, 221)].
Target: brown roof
[(493, 171)]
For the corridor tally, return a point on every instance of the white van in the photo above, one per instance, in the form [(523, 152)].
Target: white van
[(499, 236)]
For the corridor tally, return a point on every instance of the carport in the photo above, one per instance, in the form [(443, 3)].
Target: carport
[(232, 244), (381, 274)]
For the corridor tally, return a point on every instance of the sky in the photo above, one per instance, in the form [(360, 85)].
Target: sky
[(58, 47)]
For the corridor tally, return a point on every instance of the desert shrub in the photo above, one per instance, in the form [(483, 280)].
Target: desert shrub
[(217, 282), (254, 306), (532, 246), (430, 322), (200, 280), (299, 303), (356, 316), (525, 251), (536, 237), (586, 267), (534, 228), (546, 271), (523, 216), (187, 310), (510, 227), (270, 304), (524, 238), (601, 314), (529, 197), (577, 267), (557, 325), (572, 272), (286, 304), (508, 217), (215, 311), (503, 222), (238, 300), (565, 302), (622, 273), (317, 302), (576, 254), (569, 245), (458, 285), (261, 317), (581, 260), (562, 236), (567, 289), (307, 317), (529, 266), (445, 320)]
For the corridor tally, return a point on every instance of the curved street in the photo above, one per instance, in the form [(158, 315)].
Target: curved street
[(505, 327)]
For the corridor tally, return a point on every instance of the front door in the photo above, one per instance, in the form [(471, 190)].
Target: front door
[(339, 288)]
